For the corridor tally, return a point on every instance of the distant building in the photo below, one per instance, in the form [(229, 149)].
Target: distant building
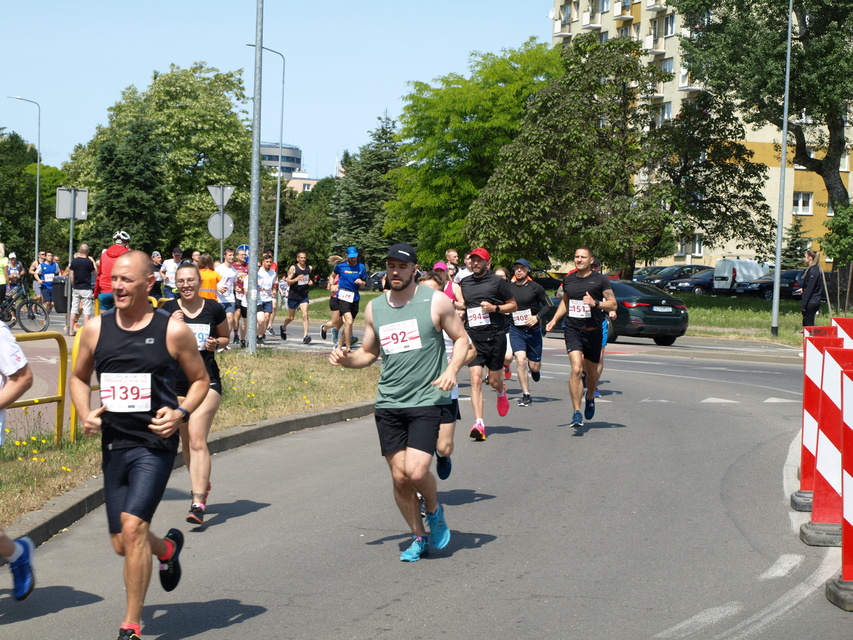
[(291, 157), (299, 181)]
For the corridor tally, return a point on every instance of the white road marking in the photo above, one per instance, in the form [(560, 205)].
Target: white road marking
[(719, 401), (784, 566), (652, 400), (780, 400), (702, 620)]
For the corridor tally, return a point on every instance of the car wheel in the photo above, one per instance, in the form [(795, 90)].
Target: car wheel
[(665, 341), (767, 294), (698, 291), (611, 331)]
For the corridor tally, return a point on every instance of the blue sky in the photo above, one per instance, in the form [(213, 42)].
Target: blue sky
[(347, 62)]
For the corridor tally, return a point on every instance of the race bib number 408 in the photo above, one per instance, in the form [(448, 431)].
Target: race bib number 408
[(520, 318), (400, 336), (126, 392)]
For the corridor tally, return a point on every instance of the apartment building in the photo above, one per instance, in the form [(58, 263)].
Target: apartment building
[(658, 26)]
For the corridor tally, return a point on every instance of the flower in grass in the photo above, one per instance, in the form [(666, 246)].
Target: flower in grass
[(17, 443), (20, 458), (35, 459), (44, 441), (8, 430), (36, 401), (33, 438), (35, 450), (64, 468), (42, 460)]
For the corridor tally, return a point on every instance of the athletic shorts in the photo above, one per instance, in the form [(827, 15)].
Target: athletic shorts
[(265, 307), (528, 341), (106, 301), (241, 307), (491, 350), (587, 341), (47, 294), (84, 297), (170, 293), (414, 427), (182, 387), (605, 330), (293, 303), (134, 482), (228, 306), (333, 304), (348, 307), (450, 412)]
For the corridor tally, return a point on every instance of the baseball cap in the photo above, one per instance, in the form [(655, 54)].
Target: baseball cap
[(439, 266), (596, 262), (401, 251), (522, 262), (156, 254), (481, 253), (177, 250), (352, 252), (13, 255)]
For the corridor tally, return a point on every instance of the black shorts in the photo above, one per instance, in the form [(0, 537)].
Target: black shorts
[(450, 412), (182, 387), (134, 482), (414, 427), (242, 308), (333, 304), (587, 341), (491, 350), (348, 307)]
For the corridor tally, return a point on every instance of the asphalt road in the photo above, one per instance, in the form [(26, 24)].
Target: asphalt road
[(664, 517)]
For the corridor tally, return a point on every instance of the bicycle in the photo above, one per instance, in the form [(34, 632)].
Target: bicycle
[(19, 308)]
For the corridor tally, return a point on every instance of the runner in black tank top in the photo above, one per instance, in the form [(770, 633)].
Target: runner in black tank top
[(299, 278)]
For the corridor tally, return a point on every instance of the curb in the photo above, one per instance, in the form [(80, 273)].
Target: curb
[(60, 513)]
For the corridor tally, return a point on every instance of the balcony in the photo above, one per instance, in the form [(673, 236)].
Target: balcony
[(562, 29), (622, 12), (656, 5), (654, 46), (687, 84), (590, 20)]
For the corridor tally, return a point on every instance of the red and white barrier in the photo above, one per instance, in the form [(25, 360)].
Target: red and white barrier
[(844, 330), (813, 350), (822, 332)]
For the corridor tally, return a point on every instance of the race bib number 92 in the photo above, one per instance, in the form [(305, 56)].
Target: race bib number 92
[(400, 336)]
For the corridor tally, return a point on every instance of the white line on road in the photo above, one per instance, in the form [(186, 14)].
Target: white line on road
[(784, 566), (720, 401), (780, 400), (702, 620)]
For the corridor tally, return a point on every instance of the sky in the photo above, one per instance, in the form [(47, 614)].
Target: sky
[(347, 62)]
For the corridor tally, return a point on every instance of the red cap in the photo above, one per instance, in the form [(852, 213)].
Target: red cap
[(481, 253)]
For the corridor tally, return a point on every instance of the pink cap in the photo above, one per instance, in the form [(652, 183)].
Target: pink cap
[(439, 265)]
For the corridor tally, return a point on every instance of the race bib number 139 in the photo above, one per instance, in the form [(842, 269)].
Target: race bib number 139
[(126, 392)]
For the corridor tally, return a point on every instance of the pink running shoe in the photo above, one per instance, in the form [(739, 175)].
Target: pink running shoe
[(507, 373), (478, 432), (503, 405)]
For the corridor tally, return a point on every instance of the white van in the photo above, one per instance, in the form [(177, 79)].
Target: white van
[(730, 271)]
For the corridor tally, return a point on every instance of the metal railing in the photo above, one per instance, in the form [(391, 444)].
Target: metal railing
[(59, 397)]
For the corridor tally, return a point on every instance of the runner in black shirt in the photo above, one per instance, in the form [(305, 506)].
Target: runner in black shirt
[(486, 298), (586, 297), (525, 332)]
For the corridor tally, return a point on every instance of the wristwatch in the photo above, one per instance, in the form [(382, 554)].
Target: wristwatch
[(186, 414)]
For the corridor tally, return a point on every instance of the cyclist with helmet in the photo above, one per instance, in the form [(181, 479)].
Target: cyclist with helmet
[(104, 285)]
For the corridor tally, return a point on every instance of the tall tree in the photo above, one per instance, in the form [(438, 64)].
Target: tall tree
[(310, 228), (794, 244), (358, 204), (594, 163), (452, 132)]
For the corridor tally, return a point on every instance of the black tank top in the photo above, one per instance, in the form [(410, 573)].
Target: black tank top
[(299, 291), (137, 376)]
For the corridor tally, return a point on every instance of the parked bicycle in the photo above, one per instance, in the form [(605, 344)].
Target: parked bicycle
[(18, 307)]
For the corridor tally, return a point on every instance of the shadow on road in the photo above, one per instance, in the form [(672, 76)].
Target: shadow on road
[(581, 431), (174, 622), (458, 497), (491, 431), (220, 513), (44, 601)]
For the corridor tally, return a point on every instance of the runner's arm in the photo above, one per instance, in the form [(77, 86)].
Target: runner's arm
[(463, 351), (363, 357)]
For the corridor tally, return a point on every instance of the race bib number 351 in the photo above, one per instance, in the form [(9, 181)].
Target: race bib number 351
[(400, 336), (126, 392)]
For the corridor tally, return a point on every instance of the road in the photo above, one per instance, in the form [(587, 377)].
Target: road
[(664, 517)]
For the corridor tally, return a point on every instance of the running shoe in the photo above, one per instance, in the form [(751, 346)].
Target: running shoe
[(525, 400), (170, 570), (443, 466), (503, 405), (335, 335), (535, 375), (22, 570), (243, 344), (418, 550), (261, 340), (589, 409), (597, 394), (270, 331), (306, 339), (353, 340), (127, 634), (323, 332), (507, 373), (283, 333), (439, 534), (478, 432), (196, 515), (577, 419)]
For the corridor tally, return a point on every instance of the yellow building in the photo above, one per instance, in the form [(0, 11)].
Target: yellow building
[(658, 26)]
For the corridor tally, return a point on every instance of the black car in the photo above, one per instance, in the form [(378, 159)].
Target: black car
[(644, 311), (675, 272), (642, 272), (702, 282), (545, 279), (374, 281), (789, 281)]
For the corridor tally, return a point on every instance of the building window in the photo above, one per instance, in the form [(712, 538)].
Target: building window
[(603, 5), (306, 187), (802, 203), (845, 161), (603, 37), (697, 246), (669, 25), (667, 65), (637, 29), (810, 153), (664, 113), (624, 32)]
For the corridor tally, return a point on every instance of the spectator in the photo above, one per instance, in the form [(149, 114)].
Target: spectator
[(83, 273), (104, 285)]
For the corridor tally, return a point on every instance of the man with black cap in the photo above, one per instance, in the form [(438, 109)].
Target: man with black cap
[(486, 298), (525, 332), (405, 326), (168, 271), (352, 275)]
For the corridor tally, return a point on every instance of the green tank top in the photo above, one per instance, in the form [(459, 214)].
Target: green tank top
[(412, 352)]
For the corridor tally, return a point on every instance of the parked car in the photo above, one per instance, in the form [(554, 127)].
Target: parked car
[(613, 274), (789, 281), (545, 279), (675, 272), (642, 272), (374, 281), (702, 282), (644, 311), (729, 271)]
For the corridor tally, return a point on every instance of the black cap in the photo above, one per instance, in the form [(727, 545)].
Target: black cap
[(402, 251)]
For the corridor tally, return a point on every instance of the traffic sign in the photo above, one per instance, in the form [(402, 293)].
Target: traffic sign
[(220, 229)]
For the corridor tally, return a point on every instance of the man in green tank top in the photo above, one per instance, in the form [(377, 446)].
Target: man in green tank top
[(405, 326)]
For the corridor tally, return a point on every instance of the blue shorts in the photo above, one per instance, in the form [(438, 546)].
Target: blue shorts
[(265, 307), (293, 303), (605, 329), (528, 341), (134, 482), (47, 293), (105, 300), (228, 306)]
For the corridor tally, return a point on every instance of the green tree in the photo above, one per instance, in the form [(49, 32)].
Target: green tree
[(595, 164), (357, 207), (794, 244), (452, 132), (821, 87), (310, 228)]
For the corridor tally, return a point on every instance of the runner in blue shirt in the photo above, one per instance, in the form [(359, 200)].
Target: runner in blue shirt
[(352, 275)]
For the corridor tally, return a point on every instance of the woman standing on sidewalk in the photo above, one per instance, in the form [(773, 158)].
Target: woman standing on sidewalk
[(209, 323), (812, 288)]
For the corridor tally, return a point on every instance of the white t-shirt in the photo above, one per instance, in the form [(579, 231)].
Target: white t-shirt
[(266, 282), (227, 275), (168, 270), (12, 359), (461, 275)]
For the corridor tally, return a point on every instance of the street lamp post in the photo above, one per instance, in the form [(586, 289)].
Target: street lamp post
[(280, 141), (38, 169)]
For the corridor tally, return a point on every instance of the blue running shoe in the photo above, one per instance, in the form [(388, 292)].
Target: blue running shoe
[(443, 466), (597, 394), (22, 570), (439, 533), (418, 550), (589, 410), (577, 419)]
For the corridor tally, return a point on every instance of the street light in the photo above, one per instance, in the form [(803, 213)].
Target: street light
[(38, 168), (280, 139)]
